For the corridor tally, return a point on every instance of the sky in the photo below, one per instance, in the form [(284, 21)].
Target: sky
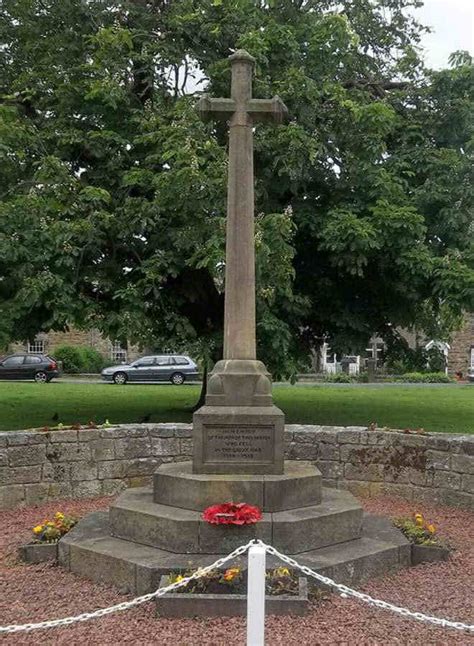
[(453, 29)]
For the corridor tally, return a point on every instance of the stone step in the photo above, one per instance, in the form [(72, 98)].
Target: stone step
[(177, 486), (337, 519), (135, 517), (90, 551)]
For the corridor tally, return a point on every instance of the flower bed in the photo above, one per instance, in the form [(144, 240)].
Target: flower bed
[(50, 531), (279, 581), (426, 545), (224, 594), (47, 534)]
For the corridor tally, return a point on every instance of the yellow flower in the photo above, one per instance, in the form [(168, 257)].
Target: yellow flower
[(231, 573), (431, 529), (179, 578), (419, 520), (282, 571), (38, 529), (59, 515)]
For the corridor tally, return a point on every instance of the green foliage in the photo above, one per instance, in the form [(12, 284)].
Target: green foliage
[(92, 360), (435, 360), (417, 530), (79, 359), (413, 533), (339, 378), (70, 357), (112, 192), (426, 377), (402, 359)]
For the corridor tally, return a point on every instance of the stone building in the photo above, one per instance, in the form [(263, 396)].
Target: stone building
[(461, 352), (47, 342)]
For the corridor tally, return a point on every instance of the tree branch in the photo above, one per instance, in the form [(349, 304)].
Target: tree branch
[(378, 87), (186, 72)]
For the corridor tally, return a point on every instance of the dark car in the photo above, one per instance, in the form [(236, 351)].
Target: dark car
[(39, 367), (160, 367)]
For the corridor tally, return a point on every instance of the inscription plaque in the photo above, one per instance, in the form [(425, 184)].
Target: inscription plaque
[(244, 439), (238, 443)]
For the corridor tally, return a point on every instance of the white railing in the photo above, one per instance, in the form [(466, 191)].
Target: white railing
[(255, 596)]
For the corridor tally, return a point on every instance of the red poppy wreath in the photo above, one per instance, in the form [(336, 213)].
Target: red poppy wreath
[(232, 513)]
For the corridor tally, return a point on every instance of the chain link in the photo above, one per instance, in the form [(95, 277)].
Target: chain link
[(66, 621), (344, 591)]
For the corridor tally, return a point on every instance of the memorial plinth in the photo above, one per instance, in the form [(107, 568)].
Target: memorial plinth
[(238, 439)]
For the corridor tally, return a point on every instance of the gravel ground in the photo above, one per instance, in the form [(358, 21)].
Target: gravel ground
[(39, 592)]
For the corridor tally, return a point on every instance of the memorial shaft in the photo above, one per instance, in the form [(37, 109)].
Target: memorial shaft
[(239, 309)]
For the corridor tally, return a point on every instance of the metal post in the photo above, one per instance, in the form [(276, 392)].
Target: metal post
[(256, 596)]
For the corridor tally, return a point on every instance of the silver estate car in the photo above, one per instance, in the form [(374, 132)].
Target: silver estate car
[(160, 367)]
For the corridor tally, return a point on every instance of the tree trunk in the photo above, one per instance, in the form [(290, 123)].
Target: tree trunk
[(202, 396)]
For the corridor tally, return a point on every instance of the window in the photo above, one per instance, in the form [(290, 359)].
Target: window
[(472, 356), (144, 361), (163, 361), (180, 361), (117, 352), (32, 359), (37, 347), (12, 362)]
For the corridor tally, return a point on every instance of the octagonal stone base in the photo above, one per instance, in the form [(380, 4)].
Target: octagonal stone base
[(90, 551), (135, 517), (176, 485), (150, 532)]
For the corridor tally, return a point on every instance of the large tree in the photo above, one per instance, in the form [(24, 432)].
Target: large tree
[(112, 192)]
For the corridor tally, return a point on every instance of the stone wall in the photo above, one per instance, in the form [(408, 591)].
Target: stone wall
[(37, 466)]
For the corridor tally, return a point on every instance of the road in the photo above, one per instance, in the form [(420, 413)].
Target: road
[(300, 384)]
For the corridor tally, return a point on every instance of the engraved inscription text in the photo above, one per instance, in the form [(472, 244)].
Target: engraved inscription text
[(238, 443)]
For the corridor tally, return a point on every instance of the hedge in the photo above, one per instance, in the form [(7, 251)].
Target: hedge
[(77, 359)]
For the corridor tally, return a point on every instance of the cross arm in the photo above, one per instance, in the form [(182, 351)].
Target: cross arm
[(220, 109), (268, 110)]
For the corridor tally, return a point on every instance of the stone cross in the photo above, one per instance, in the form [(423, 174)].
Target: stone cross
[(241, 111), (239, 430)]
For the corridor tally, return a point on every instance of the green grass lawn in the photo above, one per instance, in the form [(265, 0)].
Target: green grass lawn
[(442, 408)]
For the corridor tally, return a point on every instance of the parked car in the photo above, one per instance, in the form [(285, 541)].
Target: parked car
[(39, 367), (162, 367)]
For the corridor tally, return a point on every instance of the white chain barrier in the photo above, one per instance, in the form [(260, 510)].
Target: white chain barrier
[(66, 621), (344, 591), (349, 592)]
